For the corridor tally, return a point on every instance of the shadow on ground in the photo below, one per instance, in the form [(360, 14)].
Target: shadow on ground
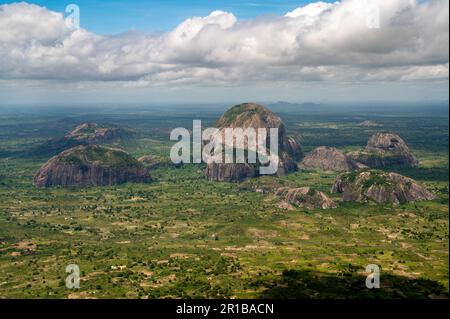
[(314, 285)]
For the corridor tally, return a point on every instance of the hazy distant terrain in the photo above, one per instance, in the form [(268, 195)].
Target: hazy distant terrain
[(183, 236)]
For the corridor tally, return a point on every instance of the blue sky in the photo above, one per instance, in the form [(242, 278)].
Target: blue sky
[(114, 16)]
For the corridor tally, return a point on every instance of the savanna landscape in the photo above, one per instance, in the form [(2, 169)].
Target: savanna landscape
[(320, 169), (174, 232)]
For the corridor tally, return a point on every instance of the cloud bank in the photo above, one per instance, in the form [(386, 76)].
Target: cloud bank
[(352, 41)]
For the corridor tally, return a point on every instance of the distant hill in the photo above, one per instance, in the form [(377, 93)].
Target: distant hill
[(83, 134), (368, 123)]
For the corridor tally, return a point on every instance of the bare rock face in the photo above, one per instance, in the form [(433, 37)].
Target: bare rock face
[(328, 158), (305, 197), (384, 150), (379, 186), (293, 148), (83, 134), (231, 172), (251, 115), (94, 133), (90, 165)]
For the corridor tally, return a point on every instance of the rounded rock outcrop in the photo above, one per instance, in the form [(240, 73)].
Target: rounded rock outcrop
[(384, 150), (328, 158), (379, 186), (90, 165), (252, 115), (83, 134), (94, 133)]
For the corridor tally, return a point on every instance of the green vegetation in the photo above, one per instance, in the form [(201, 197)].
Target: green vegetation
[(184, 236), (234, 112), (374, 177), (231, 115), (87, 154)]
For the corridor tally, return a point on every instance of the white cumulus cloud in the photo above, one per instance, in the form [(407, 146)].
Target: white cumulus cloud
[(350, 40)]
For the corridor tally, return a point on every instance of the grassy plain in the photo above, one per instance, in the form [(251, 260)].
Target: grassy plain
[(183, 236)]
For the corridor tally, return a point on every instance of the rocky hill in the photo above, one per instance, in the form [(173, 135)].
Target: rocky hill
[(305, 197), (251, 115), (90, 165), (83, 134), (328, 158), (384, 150), (94, 133), (379, 186)]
